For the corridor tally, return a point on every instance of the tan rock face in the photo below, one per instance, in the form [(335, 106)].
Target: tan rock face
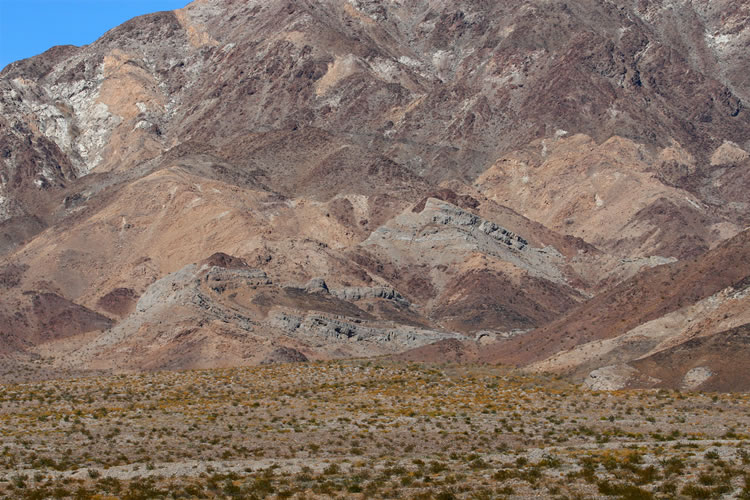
[(729, 154), (609, 194), (454, 171)]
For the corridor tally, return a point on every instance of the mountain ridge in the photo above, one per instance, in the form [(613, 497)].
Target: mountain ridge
[(498, 166)]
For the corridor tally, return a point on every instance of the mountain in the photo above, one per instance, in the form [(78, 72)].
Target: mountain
[(246, 182)]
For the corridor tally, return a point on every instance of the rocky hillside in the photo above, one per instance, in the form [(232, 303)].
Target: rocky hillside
[(247, 182), (671, 307)]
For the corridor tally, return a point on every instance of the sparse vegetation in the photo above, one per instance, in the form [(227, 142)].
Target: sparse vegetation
[(361, 429)]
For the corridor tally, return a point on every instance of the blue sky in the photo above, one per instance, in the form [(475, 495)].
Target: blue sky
[(29, 27)]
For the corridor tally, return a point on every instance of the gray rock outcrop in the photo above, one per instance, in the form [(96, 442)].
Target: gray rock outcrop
[(316, 285), (359, 293)]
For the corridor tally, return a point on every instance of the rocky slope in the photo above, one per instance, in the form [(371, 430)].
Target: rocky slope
[(676, 307), (467, 172)]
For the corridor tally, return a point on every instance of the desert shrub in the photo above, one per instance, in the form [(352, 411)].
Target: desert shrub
[(712, 455), (625, 491), (445, 495), (332, 470), (696, 491)]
